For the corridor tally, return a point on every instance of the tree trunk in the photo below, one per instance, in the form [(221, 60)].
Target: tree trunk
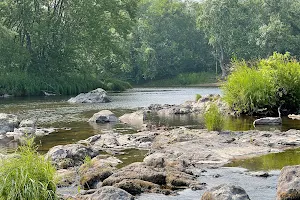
[(222, 62)]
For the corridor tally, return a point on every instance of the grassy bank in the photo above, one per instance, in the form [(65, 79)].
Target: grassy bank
[(24, 84), (185, 79)]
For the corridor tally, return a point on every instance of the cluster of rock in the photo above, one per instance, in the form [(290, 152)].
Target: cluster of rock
[(173, 155), (188, 107), (12, 127)]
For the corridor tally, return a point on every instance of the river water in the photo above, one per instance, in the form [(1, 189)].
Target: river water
[(56, 112)]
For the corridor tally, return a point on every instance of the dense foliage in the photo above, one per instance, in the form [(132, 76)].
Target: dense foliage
[(62, 46), (264, 85), (27, 176), (250, 29), (74, 46)]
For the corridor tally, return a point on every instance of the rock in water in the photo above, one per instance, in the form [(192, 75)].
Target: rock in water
[(289, 183), (268, 121), (225, 192), (95, 96), (104, 116), (111, 193), (8, 122)]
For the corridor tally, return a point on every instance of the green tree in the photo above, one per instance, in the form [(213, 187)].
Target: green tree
[(67, 39), (228, 26), (166, 41)]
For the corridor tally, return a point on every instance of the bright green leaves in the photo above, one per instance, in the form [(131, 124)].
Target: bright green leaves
[(265, 85)]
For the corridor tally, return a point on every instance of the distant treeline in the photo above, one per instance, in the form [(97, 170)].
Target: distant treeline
[(73, 46)]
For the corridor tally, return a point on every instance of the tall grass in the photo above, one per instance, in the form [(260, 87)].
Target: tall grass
[(264, 85), (214, 119), (28, 176), (19, 83)]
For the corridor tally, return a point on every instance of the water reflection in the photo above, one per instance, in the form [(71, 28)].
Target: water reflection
[(268, 162)]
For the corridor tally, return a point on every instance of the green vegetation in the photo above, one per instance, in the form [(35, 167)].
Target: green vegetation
[(214, 119), (184, 79), (71, 47), (27, 176), (198, 96), (264, 85)]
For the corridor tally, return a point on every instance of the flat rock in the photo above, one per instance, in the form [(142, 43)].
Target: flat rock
[(268, 121)]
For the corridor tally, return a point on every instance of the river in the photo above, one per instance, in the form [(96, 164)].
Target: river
[(71, 119)]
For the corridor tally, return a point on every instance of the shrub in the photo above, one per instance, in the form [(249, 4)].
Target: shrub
[(198, 96), (264, 85), (28, 176), (214, 119)]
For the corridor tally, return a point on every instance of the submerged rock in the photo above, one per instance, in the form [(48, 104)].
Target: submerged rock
[(8, 122), (104, 116), (289, 183), (135, 119), (95, 96), (225, 192)]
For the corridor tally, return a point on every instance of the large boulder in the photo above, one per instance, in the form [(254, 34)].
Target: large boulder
[(8, 122), (111, 193), (97, 170), (104, 116), (95, 96), (225, 192), (137, 171), (289, 183), (64, 156)]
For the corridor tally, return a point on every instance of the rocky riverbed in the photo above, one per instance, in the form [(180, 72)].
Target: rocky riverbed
[(177, 159), (180, 159)]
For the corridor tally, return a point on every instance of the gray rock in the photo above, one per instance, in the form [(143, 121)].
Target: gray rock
[(268, 121), (111, 193), (135, 119), (65, 177), (225, 192), (104, 116), (95, 96), (98, 169), (31, 123), (155, 160), (289, 183), (137, 171), (64, 156), (136, 186), (8, 122)]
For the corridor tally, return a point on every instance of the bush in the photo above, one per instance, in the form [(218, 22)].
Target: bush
[(264, 85), (28, 176), (214, 119), (198, 96)]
